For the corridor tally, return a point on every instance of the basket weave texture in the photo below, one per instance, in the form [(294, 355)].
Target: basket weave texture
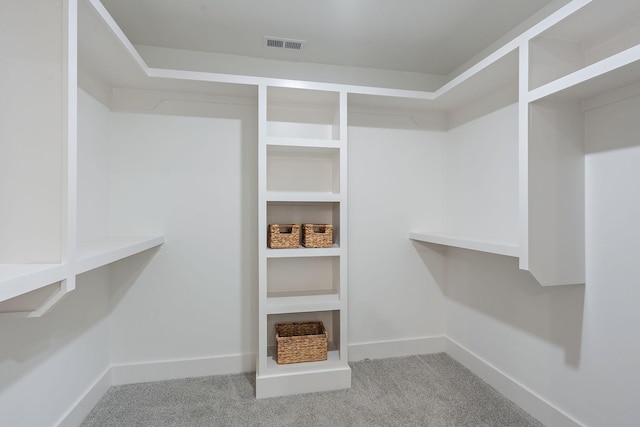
[(283, 236), (301, 342), (317, 235)]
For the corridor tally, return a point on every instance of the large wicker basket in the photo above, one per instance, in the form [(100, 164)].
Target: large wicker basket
[(281, 236), (301, 342), (317, 235)]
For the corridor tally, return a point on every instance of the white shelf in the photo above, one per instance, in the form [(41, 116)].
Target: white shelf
[(301, 251), (298, 303), (457, 241), (18, 279), (617, 71), (302, 143), (95, 254), (285, 196)]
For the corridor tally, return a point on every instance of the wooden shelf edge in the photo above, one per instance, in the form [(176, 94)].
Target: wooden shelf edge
[(457, 241), (95, 254)]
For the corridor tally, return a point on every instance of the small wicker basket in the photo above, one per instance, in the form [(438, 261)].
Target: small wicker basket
[(282, 236), (301, 342), (317, 235)]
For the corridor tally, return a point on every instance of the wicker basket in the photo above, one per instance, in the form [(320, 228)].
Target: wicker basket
[(301, 342), (283, 236), (317, 235)]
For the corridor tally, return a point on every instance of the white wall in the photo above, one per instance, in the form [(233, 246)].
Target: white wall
[(576, 347), (47, 364), (192, 179), (396, 179)]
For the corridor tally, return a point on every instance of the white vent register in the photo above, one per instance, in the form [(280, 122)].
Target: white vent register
[(282, 43)]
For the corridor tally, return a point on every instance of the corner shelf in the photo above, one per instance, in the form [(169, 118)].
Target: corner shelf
[(458, 241)]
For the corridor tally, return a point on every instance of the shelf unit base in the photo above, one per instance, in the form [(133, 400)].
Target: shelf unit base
[(312, 381)]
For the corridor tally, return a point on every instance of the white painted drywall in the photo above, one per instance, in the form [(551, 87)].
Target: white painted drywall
[(396, 177), (194, 180), (577, 346)]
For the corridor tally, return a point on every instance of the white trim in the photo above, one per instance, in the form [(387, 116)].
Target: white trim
[(524, 397), (185, 368), (85, 403), (396, 348), (527, 399)]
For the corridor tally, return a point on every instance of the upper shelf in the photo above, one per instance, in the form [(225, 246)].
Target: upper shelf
[(599, 30), (611, 73), (457, 241)]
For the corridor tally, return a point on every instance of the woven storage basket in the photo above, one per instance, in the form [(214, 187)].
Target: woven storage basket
[(283, 236), (317, 235), (301, 342)]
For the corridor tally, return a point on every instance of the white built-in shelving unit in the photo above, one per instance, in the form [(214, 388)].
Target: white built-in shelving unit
[(302, 159), (515, 188)]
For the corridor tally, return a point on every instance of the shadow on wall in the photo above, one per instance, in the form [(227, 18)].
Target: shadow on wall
[(125, 272), (28, 343), (494, 286)]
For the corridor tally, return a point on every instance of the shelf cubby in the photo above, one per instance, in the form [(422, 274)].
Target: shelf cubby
[(301, 212), (303, 169), (331, 321), (303, 113), (302, 276)]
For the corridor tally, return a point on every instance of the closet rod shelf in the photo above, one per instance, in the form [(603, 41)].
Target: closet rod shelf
[(95, 254), (458, 241), (18, 279)]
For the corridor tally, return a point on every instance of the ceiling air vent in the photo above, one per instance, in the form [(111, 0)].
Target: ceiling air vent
[(281, 43)]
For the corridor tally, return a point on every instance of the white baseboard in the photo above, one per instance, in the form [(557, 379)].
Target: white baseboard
[(86, 402), (185, 368), (538, 407), (396, 348), (531, 402)]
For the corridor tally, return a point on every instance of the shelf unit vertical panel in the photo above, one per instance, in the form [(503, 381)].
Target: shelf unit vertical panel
[(261, 363), (556, 193), (523, 155), (32, 131), (343, 117)]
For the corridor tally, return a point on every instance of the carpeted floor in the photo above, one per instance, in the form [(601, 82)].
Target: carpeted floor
[(426, 390)]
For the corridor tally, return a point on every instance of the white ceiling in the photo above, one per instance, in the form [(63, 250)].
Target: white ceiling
[(426, 36)]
